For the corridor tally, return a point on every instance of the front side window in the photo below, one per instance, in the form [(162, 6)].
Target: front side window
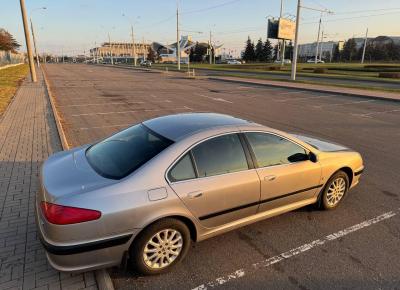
[(223, 154), (274, 150), (182, 170), (124, 152)]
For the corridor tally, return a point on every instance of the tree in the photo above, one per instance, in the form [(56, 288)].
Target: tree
[(249, 53), (349, 50), (259, 51), (7, 41), (289, 50), (276, 51), (151, 55), (336, 57), (200, 50), (267, 51)]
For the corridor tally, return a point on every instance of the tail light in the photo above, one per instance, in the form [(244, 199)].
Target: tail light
[(65, 215)]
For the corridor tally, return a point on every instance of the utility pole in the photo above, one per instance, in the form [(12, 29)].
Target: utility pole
[(144, 49), (28, 41), (109, 43), (317, 46), (34, 43), (283, 41), (321, 45), (365, 46), (296, 44), (210, 54), (133, 47), (178, 44)]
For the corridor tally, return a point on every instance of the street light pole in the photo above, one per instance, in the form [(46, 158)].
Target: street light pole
[(296, 44), (28, 41), (365, 46), (210, 52), (111, 52), (34, 43), (283, 41), (321, 45), (133, 47), (178, 44), (317, 46)]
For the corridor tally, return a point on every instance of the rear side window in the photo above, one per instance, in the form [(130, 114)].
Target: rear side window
[(274, 150), (124, 152), (223, 154), (182, 170)]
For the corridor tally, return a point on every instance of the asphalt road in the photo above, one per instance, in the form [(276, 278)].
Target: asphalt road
[(293, 251), (323, 79)]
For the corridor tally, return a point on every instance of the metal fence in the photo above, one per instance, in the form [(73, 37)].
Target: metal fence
[(7, 57)]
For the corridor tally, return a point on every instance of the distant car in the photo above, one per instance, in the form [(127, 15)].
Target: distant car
[(147, 191), (233, 61), (313, 61), (146, 63)]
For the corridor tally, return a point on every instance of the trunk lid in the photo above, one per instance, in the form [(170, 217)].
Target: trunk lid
[(68, 172)]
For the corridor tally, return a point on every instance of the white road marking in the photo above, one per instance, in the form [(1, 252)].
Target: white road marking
[(293, 252), (343, 104), (215, 99), (367, 115), (99, 104), (131, 111)]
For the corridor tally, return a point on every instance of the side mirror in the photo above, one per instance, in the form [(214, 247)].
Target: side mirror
[(312, 157)]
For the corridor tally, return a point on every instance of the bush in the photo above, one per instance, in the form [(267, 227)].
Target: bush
[(320, 70), (274, 68), (391, 75)]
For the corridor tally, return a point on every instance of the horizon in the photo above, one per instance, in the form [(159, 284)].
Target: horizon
[(93, 20)]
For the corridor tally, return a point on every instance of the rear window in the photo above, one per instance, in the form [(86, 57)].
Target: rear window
[(124, 152)]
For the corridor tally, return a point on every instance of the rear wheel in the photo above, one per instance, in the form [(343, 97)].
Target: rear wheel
[(160, 246), (334, 191)]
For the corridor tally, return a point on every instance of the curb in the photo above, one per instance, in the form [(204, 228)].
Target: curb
[(351, 94), (103, 279), (64, 142)]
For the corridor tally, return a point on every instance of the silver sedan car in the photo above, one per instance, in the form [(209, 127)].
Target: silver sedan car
[(146, 192)]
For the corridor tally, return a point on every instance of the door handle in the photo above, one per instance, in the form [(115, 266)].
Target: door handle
[(195, 194), (270, 177)]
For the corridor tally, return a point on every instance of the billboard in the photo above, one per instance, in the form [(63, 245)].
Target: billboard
[(286, 29), (272, 31)]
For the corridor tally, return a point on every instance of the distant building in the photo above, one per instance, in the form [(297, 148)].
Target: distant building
[(308, 50), (120, 50)]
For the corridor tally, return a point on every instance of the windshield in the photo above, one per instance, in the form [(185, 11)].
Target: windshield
[(124, 152)]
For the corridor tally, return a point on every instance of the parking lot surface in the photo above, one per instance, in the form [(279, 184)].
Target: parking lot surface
[(355, 246)]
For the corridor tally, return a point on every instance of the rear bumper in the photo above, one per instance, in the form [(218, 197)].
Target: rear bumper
[(88, 255)]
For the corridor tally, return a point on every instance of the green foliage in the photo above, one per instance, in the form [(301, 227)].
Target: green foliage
[(267, 51), (249, 53), (259, 50)]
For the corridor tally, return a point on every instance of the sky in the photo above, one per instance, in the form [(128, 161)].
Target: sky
[(74, 26)]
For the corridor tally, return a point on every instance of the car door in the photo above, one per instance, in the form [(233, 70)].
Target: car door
[(286, 172), (216, 181)]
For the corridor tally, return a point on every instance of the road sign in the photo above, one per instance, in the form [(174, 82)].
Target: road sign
[(286, 29)]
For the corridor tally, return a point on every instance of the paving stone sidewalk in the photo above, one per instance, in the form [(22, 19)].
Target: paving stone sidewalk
[(28, 135)]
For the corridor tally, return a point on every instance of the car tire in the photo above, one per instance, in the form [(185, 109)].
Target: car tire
[(163, 240), (334, 191)]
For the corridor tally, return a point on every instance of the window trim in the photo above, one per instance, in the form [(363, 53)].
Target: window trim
[(196, 175), (257, 166), (189, 149)]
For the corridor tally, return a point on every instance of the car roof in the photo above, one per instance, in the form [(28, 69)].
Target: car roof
[(175, 127)]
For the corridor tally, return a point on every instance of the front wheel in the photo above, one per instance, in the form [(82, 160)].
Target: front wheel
[(160, 246), (334, 191)]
